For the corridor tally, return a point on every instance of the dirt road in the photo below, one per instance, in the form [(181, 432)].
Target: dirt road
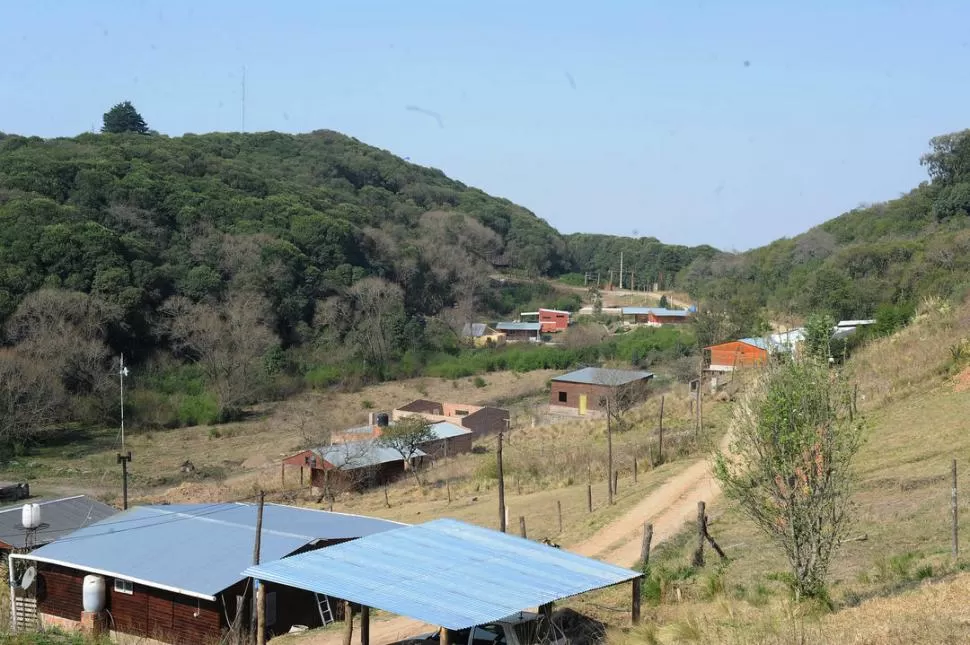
[(667, 508)]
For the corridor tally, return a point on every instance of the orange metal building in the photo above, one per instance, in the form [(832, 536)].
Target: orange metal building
[(737, 353)]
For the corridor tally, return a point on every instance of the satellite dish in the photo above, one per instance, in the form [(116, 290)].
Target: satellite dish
[(29, 576)]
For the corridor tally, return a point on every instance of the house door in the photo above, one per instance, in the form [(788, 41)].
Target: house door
[(582, 404)]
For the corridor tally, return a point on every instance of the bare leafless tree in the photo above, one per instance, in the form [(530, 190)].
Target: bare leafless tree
[(229, 341), (30, 397)]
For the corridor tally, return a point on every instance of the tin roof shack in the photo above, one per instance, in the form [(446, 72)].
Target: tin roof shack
[(351, 465), (481, 420), (591, 389), (59, 517), (481, 335), (656, 316), (736, 354), (172, 573), (521, 331), (448, 573)]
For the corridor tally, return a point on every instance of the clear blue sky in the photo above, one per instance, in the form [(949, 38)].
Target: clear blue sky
[(602, 117)]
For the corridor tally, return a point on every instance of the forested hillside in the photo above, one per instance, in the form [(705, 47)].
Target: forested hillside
[(649, 259), (213, 260), (885, 255)]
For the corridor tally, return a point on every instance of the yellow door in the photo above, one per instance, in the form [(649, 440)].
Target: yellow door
[(582, 404)]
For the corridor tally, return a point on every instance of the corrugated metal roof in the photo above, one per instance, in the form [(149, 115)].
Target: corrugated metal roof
[(603, 376), (444, 572), (554, 311), (518, 326), (474, 330), (760, 343), (855, 323), (360, 454), (61, 516), (447, 430), (656, 311), (197, 549)]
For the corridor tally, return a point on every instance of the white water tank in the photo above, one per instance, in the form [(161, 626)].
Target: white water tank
[(30, 516), (92, 593)]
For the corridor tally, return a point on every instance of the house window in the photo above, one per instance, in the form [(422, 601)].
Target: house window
[(562, 397), (124, 586)]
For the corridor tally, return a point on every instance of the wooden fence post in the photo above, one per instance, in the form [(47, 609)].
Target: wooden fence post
[(616, 481), (660, 442), (953, 510), (698, 560), (589, 498), (501, 486), (348, 623), (522, 526), (559, 513), (645, 545)]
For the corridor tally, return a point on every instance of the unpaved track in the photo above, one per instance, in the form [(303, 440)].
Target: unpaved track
[(667, 508)]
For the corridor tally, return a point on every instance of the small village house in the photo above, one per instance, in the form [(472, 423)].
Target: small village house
[(521, 331), (481, 335), (448, 438), (749, 352), (656, 316), (58, 518), (737, 354), (589, 390), (173, 573), (352, 465), (481, 420), (551, 321)]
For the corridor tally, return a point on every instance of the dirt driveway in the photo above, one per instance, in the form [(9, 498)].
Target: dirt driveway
[(667, 508)]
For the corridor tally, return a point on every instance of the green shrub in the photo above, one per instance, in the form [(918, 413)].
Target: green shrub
[(478, 381), (323, 376), (200, 409)]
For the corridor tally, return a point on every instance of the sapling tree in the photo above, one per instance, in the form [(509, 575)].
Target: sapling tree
[(789, 464), (406, 437)]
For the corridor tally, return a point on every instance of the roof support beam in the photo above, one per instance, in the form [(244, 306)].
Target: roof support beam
[(635, 609)]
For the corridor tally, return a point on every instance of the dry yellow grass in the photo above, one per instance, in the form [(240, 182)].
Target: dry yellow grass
[(882, 584)]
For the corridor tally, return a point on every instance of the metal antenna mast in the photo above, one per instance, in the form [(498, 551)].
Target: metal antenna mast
[(122, 373)]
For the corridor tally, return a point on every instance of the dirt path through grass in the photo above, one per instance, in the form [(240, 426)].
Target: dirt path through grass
[(667, 508)]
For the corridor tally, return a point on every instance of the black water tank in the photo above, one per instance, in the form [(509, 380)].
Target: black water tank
[(382, 419)]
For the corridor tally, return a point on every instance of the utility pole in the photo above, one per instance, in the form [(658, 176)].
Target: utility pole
[(123, 460), (260, 623), (609, 452), (123, 457), (621, 270), (501, 486)]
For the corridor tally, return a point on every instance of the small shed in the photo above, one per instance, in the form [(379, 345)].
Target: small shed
[(481, 335), (351, 465), (521, 331), (447, 573), (747, 352), (59, 517), (591, 388), (477, 418), (656, 316), (172, 572)]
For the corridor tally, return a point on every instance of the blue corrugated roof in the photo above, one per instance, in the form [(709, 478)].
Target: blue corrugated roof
[(361, 454), (603, 376), (444, 572), (196, 549), (518, 326), (760, 343), (447, 430), (656, 311)]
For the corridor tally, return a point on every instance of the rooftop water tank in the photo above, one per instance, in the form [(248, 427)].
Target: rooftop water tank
[(30, 516)]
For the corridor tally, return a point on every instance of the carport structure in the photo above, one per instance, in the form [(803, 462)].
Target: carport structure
[(446, 573)]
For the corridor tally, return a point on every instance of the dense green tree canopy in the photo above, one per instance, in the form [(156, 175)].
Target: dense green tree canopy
[(122, 118), (891, 253)]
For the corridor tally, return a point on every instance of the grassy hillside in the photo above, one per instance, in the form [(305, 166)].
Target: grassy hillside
[(889, 583), (891, 253)]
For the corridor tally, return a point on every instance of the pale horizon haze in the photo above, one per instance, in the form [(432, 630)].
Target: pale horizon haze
[(700, 122)]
